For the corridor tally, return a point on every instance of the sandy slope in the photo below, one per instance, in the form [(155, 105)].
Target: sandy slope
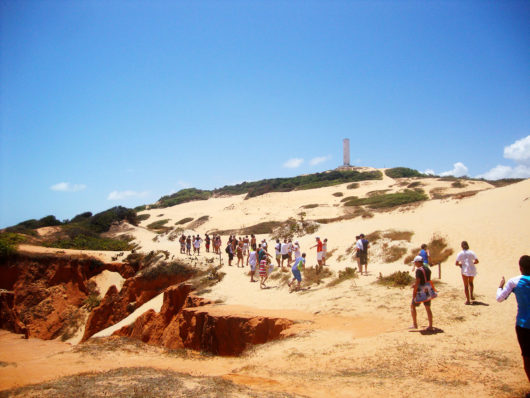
[(352, 339)]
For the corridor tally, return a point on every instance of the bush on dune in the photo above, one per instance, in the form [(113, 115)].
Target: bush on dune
[(389, 200)]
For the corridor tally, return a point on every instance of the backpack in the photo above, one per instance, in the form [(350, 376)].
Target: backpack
[(227, 250)]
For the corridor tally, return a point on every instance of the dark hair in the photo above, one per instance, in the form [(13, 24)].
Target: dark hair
[(424, 246), (524, 264), (465, 245)]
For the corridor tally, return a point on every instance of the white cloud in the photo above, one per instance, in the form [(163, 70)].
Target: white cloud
[(429, 172), (459, 170), (67, 187), (293, 163), (120, 195), (519, 151), (501, 171), (318, 160)]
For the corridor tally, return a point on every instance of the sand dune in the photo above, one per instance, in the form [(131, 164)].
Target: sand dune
[(353, 339)]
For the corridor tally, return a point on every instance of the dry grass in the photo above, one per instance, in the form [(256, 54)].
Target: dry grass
[(138, 383), (310, 206), (393, 253), (353, 185), (315, 276), (347, 273), (398, 235), (338, 194), (184, 221), (396, 279), (437, 248), (198, 222)]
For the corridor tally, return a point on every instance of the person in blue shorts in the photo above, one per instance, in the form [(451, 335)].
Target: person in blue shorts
[(296, 270), (520, 285)]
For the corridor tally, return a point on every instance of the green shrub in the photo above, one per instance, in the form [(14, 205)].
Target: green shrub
[(310, 206), (403, 172), (414, 184), (143, 217), (353, 185), (184, 221), (396, 279), (138, 209), (389, 200), (92, 301), (458, 184), (90, 242), (160, 224), (338, 194), (182, 196), (263, 228), (81, 217), (101, 222)]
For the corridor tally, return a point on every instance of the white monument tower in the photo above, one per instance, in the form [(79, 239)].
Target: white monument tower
[(346, 151)]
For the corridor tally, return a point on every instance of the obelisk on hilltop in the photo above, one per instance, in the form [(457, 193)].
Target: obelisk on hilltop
[(346, 151)]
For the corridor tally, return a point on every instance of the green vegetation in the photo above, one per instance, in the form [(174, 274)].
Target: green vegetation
[(396, 279), (347, 273), (263, 228), (309, 181), (158, 225), (388, 200), (415, 184), (143, 217), (9, 242), (310, 206), (353, 185), (503, 182), (28, 226), (184, 221), (92, 301), (403, 172), (89, 242), (379, 192), (182, 196), (458, 184), (138, 209), (338, 194)]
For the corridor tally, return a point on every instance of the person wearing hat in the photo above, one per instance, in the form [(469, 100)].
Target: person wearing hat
[(423, 292), (319, 253)]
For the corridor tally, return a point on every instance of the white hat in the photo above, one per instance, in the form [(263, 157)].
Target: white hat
[(418, 259)]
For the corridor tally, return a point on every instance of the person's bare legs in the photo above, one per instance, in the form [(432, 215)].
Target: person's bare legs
[(414, 316), (359, 265), (429, 316), (466, 288), (471, 287)]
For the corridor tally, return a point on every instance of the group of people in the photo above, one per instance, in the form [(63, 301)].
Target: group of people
[(424, 291)]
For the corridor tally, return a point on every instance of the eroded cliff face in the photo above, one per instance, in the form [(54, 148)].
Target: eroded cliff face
[(135, 292), (187, 321), (45, 292)]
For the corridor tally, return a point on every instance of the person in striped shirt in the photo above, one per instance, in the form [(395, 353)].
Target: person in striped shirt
[(520, 286)]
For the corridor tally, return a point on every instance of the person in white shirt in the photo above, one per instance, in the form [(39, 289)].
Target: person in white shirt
[(285, 252), (278, 251), (296, 249), (252, 260), (466, 260)]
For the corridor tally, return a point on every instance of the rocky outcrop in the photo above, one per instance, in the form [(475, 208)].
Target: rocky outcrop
[(135, 292), (185, 321), (8, 317), (47, 291)]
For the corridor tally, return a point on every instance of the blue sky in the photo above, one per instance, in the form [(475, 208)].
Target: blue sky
[(106, 103)]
